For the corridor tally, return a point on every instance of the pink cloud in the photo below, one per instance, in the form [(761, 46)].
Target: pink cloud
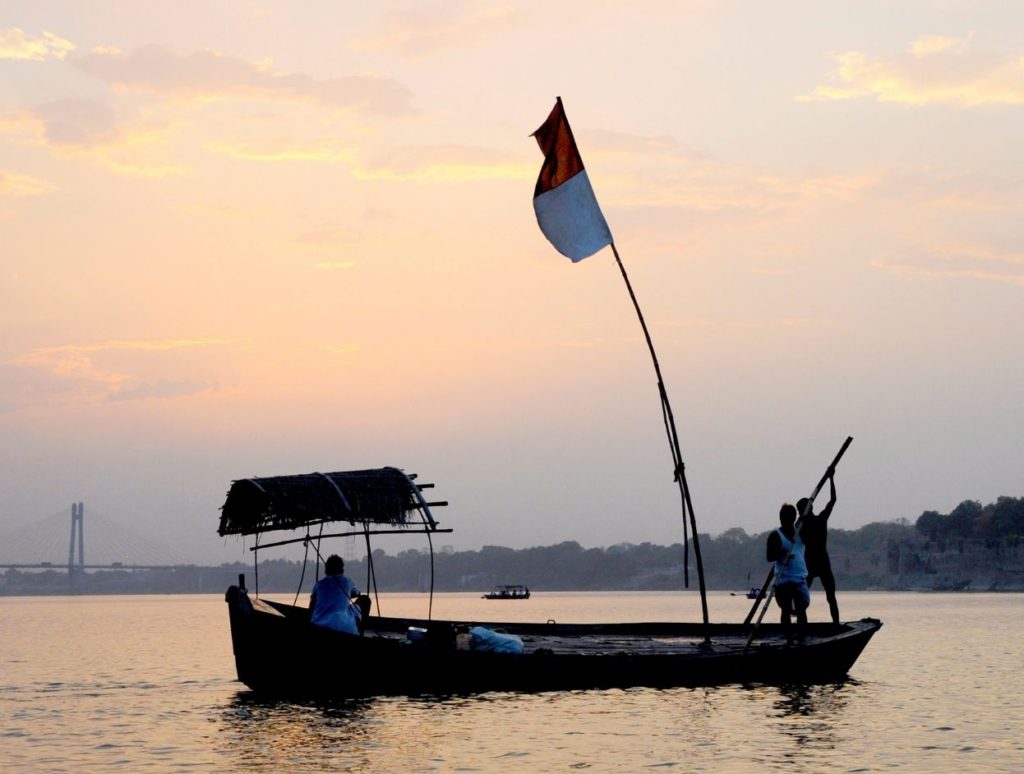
[(210, 75)]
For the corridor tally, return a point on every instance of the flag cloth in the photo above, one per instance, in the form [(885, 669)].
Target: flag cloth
[(567, 210)]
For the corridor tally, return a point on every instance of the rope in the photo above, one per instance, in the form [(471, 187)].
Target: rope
[(677, 464), (370, 572)]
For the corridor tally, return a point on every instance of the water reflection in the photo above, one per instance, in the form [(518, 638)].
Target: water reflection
[(470, 731), (350, 734), (812, 700), (811, 717), (272, 733)]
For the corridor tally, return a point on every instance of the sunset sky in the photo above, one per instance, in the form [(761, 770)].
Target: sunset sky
[(255, 238)]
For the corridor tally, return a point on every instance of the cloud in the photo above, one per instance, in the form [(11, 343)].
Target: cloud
[(133, 136), (86, 128), (937, 44), (415, 32), (283, 149), (656, 172), (208, 76), (652, 173), (956, 260), (162, 388), (74, 372), (78, 122), (639, 171), (333, 239), (15, 43), (12, 184), (935, 70), (446, 164)]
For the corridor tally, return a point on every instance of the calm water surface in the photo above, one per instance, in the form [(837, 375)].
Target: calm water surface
[(146, 683)]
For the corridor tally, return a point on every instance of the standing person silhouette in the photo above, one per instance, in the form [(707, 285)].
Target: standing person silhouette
[(814, 532), (786, 549)]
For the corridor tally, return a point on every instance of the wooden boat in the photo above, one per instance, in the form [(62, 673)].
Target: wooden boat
[(508, 592), (275, 647), (275, 644)]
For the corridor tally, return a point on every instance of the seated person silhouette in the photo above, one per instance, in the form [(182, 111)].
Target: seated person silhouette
[(332, 602)]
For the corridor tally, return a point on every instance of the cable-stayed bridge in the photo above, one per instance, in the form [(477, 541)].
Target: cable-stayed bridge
[(80, 541)]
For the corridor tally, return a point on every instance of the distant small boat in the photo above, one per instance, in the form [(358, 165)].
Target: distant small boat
[(753, 593), (508, 592)]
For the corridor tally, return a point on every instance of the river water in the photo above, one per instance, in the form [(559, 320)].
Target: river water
[(147, 684)]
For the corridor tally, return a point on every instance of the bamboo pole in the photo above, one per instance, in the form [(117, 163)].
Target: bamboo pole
[(352, 534), (679, 468)]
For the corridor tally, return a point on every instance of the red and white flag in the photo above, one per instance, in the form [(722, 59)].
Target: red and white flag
[(567, 210)]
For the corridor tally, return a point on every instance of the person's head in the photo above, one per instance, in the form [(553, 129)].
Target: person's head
[(801, 504), (334, 565), (787, 515)]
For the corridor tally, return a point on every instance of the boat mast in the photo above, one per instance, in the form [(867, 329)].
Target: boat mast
[(679, 468)]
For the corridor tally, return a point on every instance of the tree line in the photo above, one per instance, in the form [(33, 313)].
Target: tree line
[(1003, 519), (973, 546)]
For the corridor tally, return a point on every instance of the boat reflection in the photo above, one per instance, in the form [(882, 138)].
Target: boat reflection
[(279, 734), (348, 734), (813, 700), (812, 716)]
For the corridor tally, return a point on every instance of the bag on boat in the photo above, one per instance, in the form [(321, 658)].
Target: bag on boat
[(492, 642)]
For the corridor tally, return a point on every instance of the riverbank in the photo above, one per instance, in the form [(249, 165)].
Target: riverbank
[(278, 577)]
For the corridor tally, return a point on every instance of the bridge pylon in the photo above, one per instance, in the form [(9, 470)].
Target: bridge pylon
[(77, 520)]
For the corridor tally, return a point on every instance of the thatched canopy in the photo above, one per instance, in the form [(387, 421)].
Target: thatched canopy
[(379, 496)]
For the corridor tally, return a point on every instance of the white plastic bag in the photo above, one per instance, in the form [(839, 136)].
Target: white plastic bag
[(485, 640)]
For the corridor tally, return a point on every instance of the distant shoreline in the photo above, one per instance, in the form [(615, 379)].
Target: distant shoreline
[(540, 593), (884, 556), (146, 589)]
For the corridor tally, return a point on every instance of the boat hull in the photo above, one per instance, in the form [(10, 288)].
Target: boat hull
[(278, 651), (508, 597)]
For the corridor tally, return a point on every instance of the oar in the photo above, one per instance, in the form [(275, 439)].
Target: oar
[(807, 509)]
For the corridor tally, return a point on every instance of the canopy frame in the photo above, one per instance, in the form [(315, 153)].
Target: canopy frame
[(385, 497)]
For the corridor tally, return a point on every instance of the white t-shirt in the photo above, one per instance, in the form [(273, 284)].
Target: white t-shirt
[(795, 570)]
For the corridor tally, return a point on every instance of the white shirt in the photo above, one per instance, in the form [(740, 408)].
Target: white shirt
[(333, 606), (795, 570)]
